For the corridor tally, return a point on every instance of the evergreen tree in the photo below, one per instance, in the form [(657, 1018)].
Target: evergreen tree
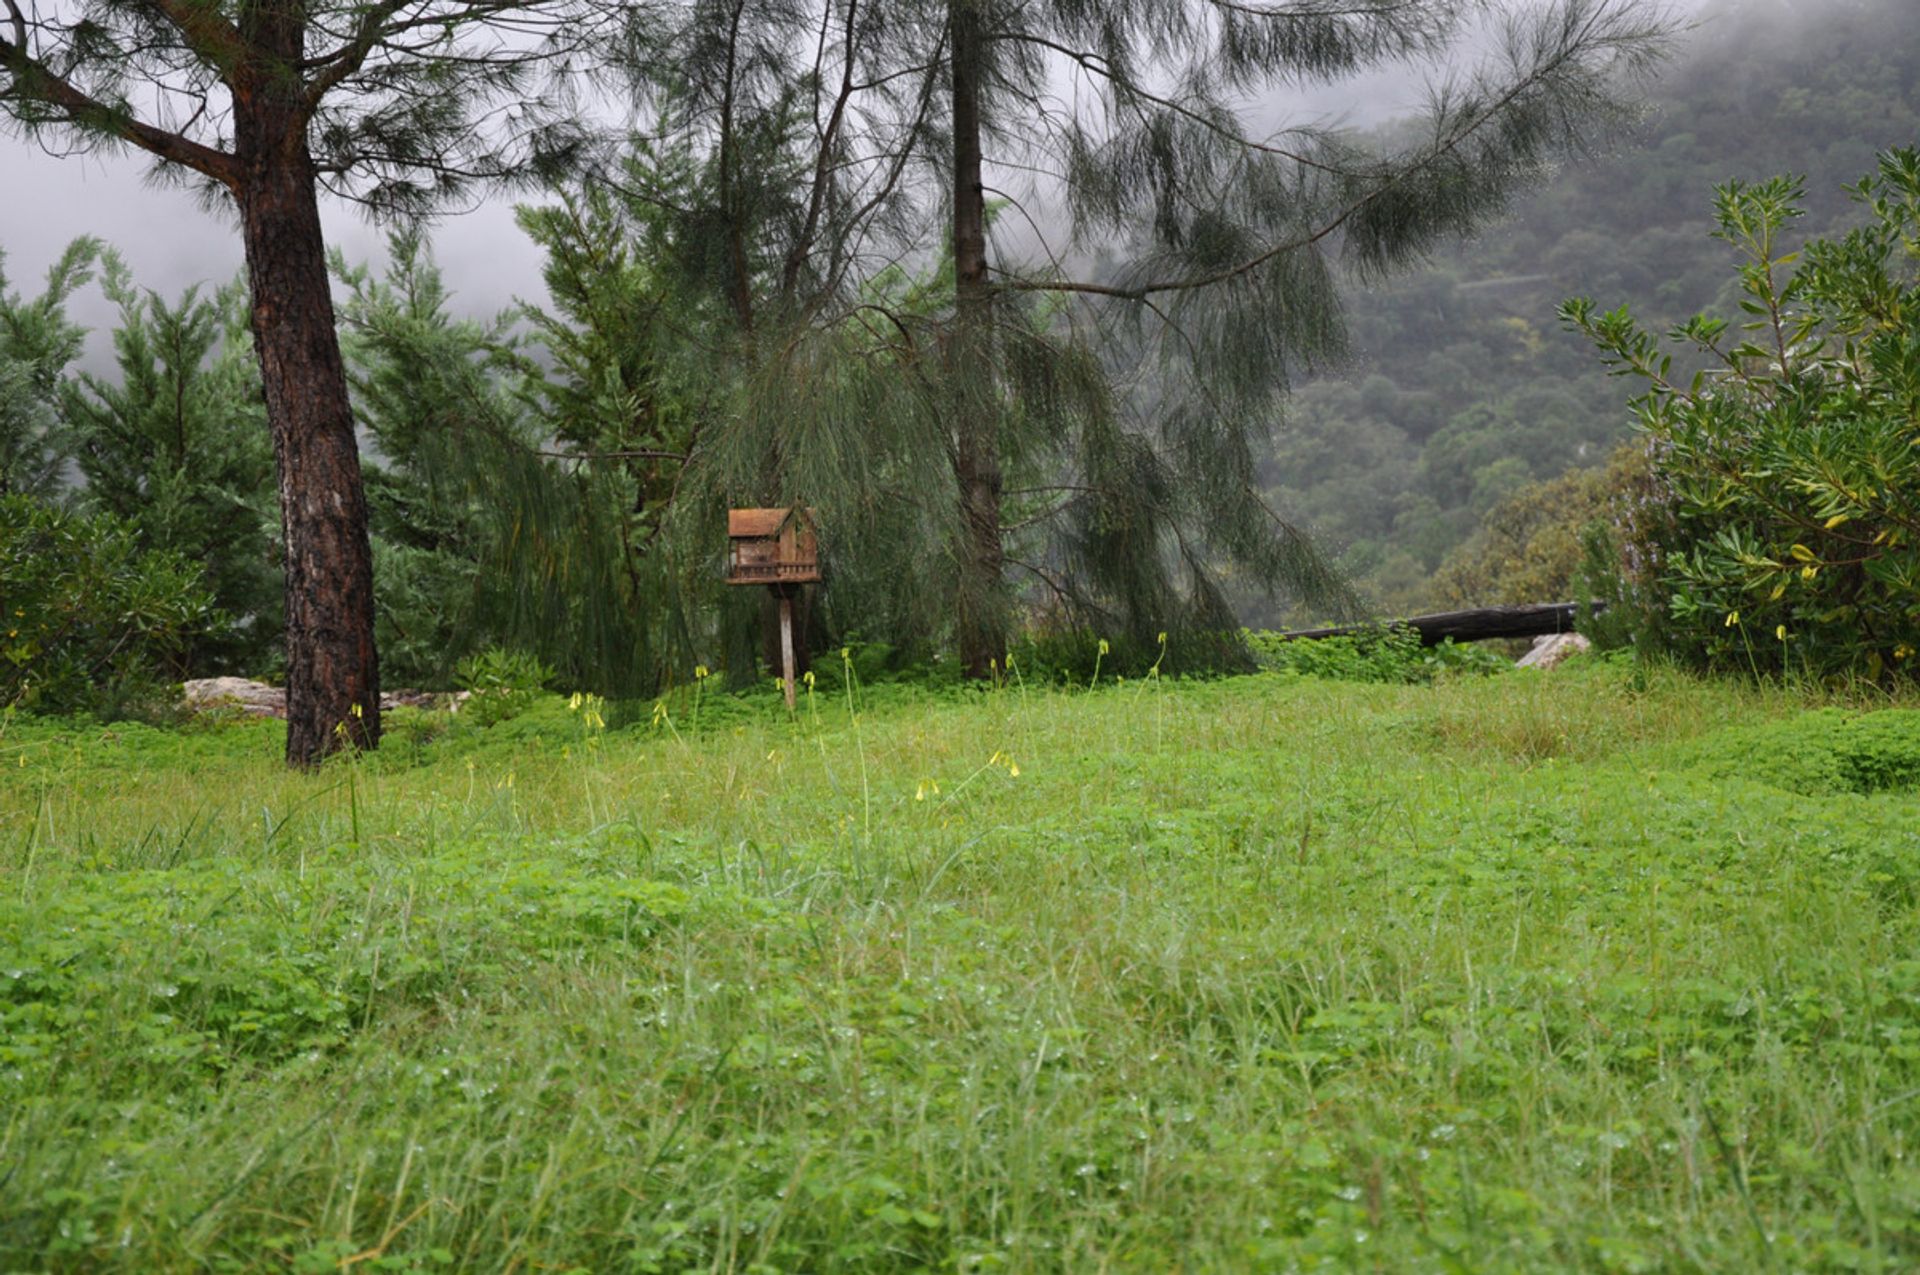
[(398, 103), (38, 343), (619, 391), (1088, 421), (173, 446), (639, 384), (424, 382), (484, 535)]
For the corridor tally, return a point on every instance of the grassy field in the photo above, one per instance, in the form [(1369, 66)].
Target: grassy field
[(1594, 970)]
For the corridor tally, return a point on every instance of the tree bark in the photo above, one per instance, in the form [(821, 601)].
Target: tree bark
[(333, 670), (982, 619)]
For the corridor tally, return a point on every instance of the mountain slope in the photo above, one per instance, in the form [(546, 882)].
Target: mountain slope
[(1464, 389)]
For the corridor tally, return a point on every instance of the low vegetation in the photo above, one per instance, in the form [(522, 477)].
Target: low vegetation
[(1609, 969)]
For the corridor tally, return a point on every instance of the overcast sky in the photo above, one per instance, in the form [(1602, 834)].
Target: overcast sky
[(169, 240)]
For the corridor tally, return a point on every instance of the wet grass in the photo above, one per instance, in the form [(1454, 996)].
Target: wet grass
[(1591, 971)]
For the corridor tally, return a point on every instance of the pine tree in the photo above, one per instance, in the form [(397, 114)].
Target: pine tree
[(486, 535), (265, 103)]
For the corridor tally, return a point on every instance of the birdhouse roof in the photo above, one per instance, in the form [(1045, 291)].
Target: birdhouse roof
[(753, 524)]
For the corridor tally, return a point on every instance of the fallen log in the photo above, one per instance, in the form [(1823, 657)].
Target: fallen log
[(1534, 620)]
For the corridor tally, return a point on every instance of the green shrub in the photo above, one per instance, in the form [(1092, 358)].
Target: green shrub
[(92, 622), (503, 683), (1779, 532), (1385, 654)]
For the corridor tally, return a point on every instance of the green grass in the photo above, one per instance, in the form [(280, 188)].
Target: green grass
[(1585, 971)]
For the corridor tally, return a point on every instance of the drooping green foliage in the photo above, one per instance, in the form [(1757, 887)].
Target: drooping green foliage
[(638, 382), (1781, 533), (619, 390), (1118, 413), (90, 621), (487, 539)]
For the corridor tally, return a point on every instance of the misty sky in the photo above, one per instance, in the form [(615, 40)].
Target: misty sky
[(169, 240)]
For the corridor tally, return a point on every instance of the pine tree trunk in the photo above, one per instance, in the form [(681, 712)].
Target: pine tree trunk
[(333, 671), (982, 619)]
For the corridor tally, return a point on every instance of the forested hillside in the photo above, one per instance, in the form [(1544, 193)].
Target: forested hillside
[(1464, 389)]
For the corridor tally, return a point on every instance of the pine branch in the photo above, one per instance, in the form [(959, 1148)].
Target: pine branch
[(208, 35), (31, 81), (1098, 64), (338, 67)]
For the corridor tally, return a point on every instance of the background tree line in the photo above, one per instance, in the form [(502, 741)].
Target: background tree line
[(803, 228)]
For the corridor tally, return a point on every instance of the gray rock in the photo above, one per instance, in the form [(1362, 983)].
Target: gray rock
[(257, 699), (1554, 650)]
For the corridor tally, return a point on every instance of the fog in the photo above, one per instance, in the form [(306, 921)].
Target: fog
[(170, 239)]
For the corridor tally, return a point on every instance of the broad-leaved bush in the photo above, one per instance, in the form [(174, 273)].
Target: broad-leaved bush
[(1780, 529), (91, 621)]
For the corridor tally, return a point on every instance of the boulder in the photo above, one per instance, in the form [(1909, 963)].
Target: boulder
[(257, 699), (1553, 650)]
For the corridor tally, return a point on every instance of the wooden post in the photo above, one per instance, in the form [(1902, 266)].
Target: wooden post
[(786, 641)]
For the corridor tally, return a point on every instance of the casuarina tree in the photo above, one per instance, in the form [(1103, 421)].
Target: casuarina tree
[(265, 104), (1087, 255)]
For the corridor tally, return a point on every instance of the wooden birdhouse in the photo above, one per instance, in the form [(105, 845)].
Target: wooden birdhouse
[(772, 546), (779, 548)]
